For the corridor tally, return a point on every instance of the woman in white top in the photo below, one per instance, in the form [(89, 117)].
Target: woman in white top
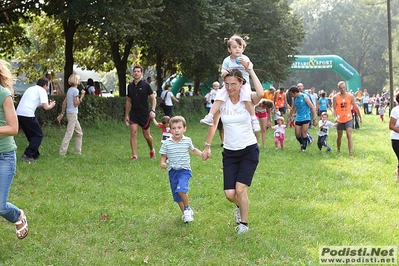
[(241, 150), (394, 127)]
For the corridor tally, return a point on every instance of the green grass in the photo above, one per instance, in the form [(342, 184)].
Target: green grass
[(298, 202)]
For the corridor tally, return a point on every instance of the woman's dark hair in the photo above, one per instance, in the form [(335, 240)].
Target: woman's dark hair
[(90, 82), (235, 73), (397, 97), (293, 89)]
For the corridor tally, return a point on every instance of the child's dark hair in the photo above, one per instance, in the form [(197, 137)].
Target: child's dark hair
[(177, 119), (237, 39), (165, 119)]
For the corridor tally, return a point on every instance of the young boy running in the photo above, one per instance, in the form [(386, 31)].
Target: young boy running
[(176, 149), (324, 126)]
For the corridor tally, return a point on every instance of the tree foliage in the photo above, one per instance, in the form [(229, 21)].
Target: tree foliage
[(274, 34), (177, 35), (354, 30)]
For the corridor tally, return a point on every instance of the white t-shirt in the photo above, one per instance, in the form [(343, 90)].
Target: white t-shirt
[(237, 126), (395, 114), (324, 130), (280, 129), (208, 100), (168, 97), (91, 90), (33, 97)]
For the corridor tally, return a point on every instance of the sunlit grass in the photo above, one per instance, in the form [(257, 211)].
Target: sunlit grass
[(102, 209)]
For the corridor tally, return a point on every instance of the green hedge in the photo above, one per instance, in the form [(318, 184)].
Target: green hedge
[(94, 109)]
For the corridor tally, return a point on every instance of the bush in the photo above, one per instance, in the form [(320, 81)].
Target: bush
[(94, 109)]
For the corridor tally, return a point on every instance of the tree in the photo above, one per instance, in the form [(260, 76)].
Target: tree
[(11, 32), (274, 33), (352, 29)]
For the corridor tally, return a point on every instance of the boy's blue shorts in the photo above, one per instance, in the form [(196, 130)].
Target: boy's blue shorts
[(179, 182)]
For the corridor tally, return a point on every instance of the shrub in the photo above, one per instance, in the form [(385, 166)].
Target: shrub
[(95, 109)]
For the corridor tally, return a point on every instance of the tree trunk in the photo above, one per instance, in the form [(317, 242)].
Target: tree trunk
[(70, 27), (121, 63), (159, 73)]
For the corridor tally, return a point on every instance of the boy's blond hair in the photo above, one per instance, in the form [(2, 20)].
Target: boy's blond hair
[(281, 118), (177, 119)]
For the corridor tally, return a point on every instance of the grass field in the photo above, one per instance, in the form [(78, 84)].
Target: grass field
[(102, 209)]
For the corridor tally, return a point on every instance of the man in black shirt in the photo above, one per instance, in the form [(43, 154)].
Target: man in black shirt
[(137, 112)]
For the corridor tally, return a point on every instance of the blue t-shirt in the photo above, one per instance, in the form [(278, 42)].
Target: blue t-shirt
[(302, 108), (323, 104), (71, 94)]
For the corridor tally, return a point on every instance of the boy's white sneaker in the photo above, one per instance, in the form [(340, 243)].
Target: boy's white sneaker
[(207, 120), (241, 229), (237, 215), (188, 216), (255, 125)]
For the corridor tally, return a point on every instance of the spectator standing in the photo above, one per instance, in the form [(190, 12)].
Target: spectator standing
[(51, 89), (70, 105), (90, 90), (97, 89), (180, 93), (168, 96), (365, 101), (33, 97), (137, 112)]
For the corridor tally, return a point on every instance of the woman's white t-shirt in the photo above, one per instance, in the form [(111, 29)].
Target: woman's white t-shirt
[(395, 114), (237, 126)]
